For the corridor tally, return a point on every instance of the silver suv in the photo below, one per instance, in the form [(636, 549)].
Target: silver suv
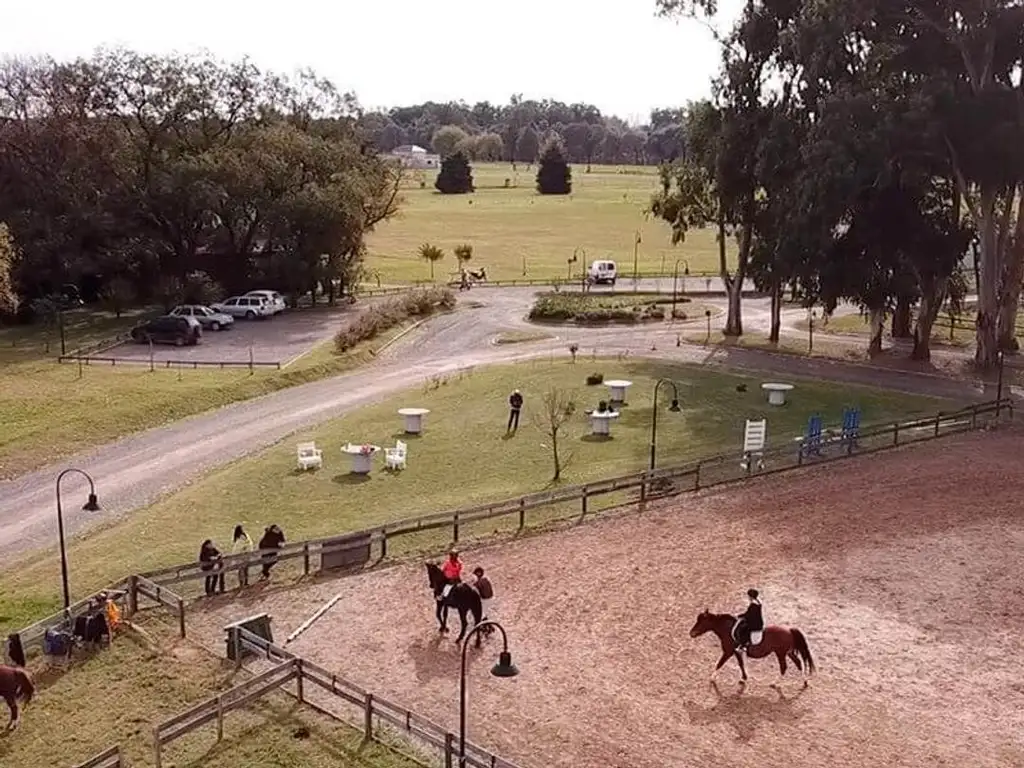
[(249, 307)]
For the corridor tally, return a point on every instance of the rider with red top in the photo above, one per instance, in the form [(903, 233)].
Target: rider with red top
[(452, 570)]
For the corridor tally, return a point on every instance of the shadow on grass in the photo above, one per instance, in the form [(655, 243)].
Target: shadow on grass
[(406, 435), (592, 438), (350, 478)]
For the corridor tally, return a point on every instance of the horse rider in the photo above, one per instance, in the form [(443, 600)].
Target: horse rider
[(452, 571), (750, 624), (483, 586)]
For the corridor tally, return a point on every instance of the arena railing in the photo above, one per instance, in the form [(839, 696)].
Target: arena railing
[(357, 548)]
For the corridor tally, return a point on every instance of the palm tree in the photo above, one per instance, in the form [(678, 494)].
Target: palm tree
[(431, 253)]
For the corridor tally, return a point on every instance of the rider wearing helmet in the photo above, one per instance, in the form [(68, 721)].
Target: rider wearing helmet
[(452, 570), (750, 624)]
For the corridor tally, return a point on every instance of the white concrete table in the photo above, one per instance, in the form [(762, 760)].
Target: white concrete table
[(776, 392), (413, 419), (362, 457), (618, 389), (601, 422)]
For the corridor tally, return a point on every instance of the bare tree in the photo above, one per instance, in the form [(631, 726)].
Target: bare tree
[(558, 408)]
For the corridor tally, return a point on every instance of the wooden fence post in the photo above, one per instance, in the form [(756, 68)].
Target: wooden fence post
[(449, 749), (522, 513), (696, 478), (383, 544), (896, 433), (643, 488), (974, 417), (938, 421), (156, 747), (133, 595), (220, 718), (368, 718), (181, 617), (305, 559), (298, 681), (455, 527), (583, 504)]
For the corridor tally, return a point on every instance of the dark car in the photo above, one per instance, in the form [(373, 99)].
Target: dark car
[(169, 329)]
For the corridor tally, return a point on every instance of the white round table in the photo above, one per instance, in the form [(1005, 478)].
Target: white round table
[(413, 419), (600, 423), (362, 457), (618, 389), (776, 392)]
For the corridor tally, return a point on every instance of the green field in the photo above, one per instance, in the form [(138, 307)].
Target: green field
[(56, 410), (464, 457), (117, 695), (515, 231)]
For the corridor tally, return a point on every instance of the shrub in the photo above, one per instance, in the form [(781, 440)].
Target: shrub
[(565, 307), (396, 310), (594, 379)]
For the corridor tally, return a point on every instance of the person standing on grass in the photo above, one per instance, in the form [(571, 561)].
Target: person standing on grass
[(515, 405), (241, 544), (210, 558), (273, 539)]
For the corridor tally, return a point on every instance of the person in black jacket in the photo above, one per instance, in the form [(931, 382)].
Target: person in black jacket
[(515, 405), (273, 538), (210, 558), (750, 623)]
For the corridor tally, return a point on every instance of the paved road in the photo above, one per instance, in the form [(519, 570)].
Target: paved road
[(136, 470)]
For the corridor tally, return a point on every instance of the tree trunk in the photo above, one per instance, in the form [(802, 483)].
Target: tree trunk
[(987, 350), (733, 285), (902, 324), (1013, 274), (876, 322), (776, 311), (555, 457), (931, 301)]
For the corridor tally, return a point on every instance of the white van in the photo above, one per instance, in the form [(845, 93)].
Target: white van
[(603, 272)]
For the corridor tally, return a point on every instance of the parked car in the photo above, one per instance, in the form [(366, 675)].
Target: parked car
[(208, 318), (276, 300), (169, 329), (249, 307), (603, 272)]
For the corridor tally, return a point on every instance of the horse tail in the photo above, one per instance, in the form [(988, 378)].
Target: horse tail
[(800, 644), (25, 686)]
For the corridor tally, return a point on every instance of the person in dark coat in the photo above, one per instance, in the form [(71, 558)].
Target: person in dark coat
[(273, 538), (751, 624), (515, 405), (210, 558)]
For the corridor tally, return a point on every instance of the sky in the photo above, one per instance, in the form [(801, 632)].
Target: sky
[(614, 54)]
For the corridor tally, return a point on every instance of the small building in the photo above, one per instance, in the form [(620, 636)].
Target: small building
[(412, 156)]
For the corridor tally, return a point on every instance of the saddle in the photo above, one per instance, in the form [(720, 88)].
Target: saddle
[(755, 637)]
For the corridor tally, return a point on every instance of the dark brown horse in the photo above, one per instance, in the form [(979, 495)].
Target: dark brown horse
[(784, 642), (15, 684)]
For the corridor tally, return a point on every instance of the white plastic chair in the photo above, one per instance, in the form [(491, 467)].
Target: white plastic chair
[(310, 457), (394, 458), (755, 435)]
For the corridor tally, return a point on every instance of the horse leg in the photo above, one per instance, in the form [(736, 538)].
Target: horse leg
[(782, 668), (465, 626), (743, 668), (718, 666), (12, 703)]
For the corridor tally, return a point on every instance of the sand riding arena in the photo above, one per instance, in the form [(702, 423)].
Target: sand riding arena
[(904, 570)]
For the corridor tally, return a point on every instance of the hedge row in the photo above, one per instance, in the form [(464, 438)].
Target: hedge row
[(393, 311)]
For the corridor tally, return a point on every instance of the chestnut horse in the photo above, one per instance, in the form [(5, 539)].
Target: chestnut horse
[(15, 684), (782, 641)]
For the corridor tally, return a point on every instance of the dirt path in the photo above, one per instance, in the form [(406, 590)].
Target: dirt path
[(883, 562), (136, 470)]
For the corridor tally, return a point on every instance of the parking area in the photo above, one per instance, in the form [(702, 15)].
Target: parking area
[(273, 341)]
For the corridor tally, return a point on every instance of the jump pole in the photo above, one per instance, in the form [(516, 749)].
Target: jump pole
[(309, 622)]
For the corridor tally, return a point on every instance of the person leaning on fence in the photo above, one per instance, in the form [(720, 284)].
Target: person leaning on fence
[(210, 558), (273, 538), (515, 406), (241, 545)]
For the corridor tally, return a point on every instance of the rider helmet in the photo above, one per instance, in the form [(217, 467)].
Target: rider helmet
[(752, 594)]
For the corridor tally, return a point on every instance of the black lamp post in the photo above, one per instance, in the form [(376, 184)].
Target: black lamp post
[(654, 413), (92, 505), (999, 383), (504, 668)]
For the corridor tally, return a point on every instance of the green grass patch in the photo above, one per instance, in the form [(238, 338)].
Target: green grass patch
[(559, 307), (514, 230), (56, 410), (117, 695), (464, 457), (521, 337), (958, 333)]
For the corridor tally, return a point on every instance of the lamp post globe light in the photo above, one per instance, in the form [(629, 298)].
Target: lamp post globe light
[(503, 668), (91, 505)]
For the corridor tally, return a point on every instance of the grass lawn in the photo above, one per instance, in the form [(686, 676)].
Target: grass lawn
[(49, 410), (463, 457), (117, 695), (823, 346), (515, 228), (963, 331)]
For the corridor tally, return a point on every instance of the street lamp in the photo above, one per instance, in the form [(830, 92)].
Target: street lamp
[(92, 505), (504, 668), (675, 278), (654, 413), (636, 259)]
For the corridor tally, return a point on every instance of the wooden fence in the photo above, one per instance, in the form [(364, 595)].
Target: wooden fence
[(31, 637), (140, 585), (360, 547), (109, 758)]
